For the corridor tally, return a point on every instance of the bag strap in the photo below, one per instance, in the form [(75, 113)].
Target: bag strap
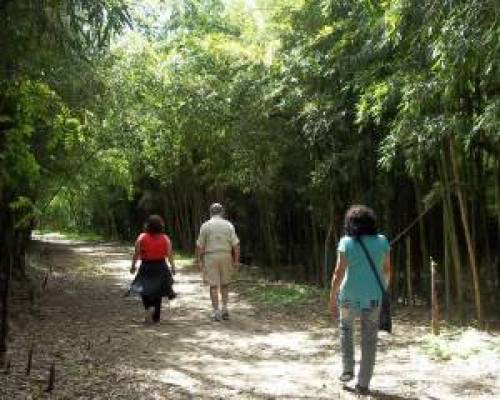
[(372, 264)]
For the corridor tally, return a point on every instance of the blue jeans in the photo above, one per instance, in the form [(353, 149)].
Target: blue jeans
[(369, 330)]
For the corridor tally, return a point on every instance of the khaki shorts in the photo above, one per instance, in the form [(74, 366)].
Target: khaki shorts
[(218, 269)]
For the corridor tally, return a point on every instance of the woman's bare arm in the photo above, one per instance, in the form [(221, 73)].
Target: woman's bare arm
[(171, 262), (387, 269), (199, 251), (135, 257), (337, 278)]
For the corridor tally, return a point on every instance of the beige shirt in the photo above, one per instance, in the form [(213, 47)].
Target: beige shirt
[(217, 235)]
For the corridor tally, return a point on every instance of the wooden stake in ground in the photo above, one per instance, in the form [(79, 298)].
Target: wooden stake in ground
[(30, 359), (45, 281), (52, 378), (434, 298), (6, 370)]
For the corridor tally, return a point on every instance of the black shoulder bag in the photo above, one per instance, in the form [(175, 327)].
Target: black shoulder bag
[(385, 323)]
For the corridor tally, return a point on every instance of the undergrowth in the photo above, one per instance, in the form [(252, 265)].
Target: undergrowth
[(459, 343), (71, 235), (278, 294)]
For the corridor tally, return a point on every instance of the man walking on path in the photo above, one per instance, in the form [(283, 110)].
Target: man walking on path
[(218, 255)]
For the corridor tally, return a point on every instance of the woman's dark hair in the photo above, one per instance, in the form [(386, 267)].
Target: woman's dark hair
[(154, 224), (360, 220)]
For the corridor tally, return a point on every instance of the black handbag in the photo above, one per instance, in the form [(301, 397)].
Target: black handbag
[(385, 322)]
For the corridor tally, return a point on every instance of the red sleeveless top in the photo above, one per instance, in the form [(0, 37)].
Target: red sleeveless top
[(154, 246)]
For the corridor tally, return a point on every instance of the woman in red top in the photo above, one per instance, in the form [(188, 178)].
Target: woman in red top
[(154, 279)]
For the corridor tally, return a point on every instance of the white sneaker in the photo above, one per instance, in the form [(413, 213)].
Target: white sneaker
[(216, 315)]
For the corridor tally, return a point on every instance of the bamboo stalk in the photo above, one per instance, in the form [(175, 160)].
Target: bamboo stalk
[(452, 242), (4, 330), (423, 236), (327, 261), (467, 231), (496, 272), (446, 264), (434, 297), (409, 291)]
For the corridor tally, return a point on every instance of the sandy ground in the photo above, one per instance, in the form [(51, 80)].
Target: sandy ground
[(100, 348)]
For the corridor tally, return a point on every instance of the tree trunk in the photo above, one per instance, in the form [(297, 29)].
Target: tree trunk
[(497, 210), (451, 238), (446, 264), (409, 291), (434, 298), (468, 238), (327, 259), (6, 265), (423, 239), (315, 256)]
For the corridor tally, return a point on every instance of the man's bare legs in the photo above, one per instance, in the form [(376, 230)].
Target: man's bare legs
[(214, 297), (224, 292)]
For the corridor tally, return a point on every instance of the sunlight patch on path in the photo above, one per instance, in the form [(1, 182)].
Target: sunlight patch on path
[(255, 355)]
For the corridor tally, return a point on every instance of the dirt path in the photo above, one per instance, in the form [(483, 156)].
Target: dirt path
[(102, 350)]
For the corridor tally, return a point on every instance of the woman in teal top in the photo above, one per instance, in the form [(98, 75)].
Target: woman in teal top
[(355, 291)]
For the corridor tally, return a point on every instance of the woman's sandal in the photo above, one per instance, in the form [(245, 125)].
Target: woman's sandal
[(346, 376)]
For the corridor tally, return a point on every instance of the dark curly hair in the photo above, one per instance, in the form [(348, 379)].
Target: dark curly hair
[(154, 224), (360, 220)]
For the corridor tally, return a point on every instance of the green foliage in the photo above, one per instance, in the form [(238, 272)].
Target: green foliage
[(437, 349), (48, 31), (48, 85), (277, 294), (40, 131), (282, 295), (79, 236), (458, 343), (287, 111)]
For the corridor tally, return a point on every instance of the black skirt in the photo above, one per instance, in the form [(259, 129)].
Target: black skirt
[(153, 279)]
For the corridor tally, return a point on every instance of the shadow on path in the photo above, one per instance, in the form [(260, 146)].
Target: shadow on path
[(103, 350)]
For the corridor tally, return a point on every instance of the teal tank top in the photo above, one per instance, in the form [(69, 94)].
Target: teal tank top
[(359, 286)]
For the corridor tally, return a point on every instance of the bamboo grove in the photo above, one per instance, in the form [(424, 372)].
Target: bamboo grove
[(287, 111)]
